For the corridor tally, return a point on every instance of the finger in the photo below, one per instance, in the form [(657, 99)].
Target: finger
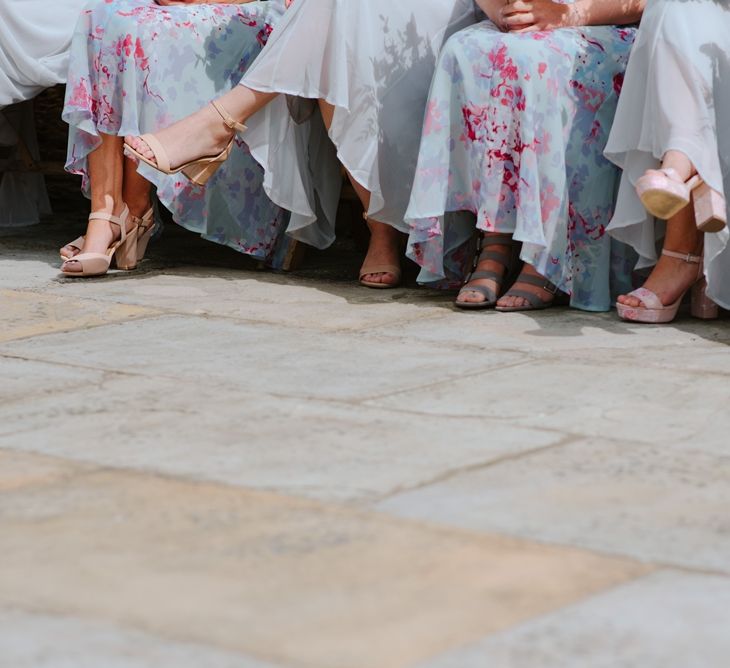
[(517, 20), (517, 6)]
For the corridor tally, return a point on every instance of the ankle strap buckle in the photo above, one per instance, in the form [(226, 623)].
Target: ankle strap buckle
[(550, 288), (689, 258)]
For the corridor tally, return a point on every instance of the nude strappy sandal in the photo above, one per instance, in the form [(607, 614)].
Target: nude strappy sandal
[(145, 225), (198, 171), (367, 270), (77, 244), (145, 228), (534, 301), (654, 312), (509, 260), (124, 250), (664, 195)]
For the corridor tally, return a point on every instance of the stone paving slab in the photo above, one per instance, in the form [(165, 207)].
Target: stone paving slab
[(261, 297), (325, 450), (25, 271), (19, 470), (29, 640), (665, 620), (585, 397), (257, 357), (560, 331), (273, 577), (27, 380), (655, 503), (26, 314)]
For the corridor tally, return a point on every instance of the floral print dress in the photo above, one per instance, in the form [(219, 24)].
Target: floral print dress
[(137, 67), (513, 142)]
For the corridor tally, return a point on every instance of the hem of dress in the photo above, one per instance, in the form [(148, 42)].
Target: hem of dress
[(362, 178)]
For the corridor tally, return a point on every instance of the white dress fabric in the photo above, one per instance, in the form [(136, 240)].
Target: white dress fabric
[(373, 60), (676, 95), (35, 36)]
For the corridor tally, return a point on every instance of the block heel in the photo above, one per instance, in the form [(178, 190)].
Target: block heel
[(702, 306), (710, 209)]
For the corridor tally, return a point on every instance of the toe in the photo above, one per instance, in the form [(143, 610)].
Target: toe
[(141, 147), (385, 278), (470, 297)]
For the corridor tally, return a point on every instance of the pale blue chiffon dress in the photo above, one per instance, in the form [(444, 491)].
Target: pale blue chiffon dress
[(513, 142), (137, 67)]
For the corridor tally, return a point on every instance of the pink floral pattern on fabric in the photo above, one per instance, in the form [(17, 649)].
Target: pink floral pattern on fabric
[(137, 67), (513, 142)]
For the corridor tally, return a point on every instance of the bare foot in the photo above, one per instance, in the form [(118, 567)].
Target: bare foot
[(202, 134), (467, 296), (510, 301)]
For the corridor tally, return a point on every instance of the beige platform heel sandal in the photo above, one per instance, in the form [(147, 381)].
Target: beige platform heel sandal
[(145, 225), (370, 269), (145, 228), (198, 171), (123, 251), (653, 311)]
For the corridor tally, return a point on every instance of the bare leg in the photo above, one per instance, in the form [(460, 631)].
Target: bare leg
[(671, 277), (105, 176), (135, 190), (679, 162), (204, 133), (384, 238)]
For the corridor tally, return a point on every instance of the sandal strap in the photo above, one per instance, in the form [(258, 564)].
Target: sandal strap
[(89, 256), (103, 215), (488, 293), (380, 269), (486, 275), (647, 298), (229, 121), (532, 299), (146, 221), (497, 256), (161, 157), (537, 281), (673, 175), (120, 221), (687, 257)]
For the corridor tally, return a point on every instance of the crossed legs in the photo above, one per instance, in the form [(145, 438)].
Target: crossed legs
[(203, 134)]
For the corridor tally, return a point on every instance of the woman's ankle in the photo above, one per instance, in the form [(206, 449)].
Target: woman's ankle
[(138, 207), (680, 163)]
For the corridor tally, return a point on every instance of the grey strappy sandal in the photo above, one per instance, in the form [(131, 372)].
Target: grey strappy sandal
[(508, 259), (535, 303)]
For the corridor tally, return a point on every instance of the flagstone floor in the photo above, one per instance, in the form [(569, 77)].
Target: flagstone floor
[(203, 465)]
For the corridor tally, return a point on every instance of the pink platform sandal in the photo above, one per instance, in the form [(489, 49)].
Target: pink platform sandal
[(664, 195), (654, 312), (710, 209), (200, 170)]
